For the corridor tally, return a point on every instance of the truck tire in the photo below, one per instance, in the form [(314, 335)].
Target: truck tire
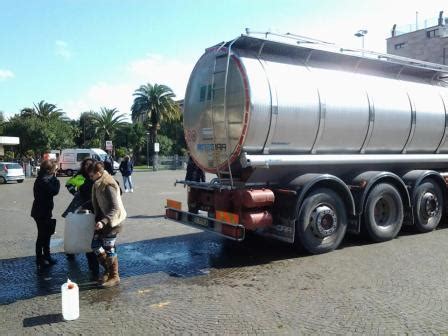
[(384, 212), (322, 222), (428, 206)]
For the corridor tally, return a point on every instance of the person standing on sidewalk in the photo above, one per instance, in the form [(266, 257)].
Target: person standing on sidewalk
[(126, 169), (110, 215), (46, 186)]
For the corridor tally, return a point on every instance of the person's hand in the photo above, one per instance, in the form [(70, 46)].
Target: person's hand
[(99, 226)]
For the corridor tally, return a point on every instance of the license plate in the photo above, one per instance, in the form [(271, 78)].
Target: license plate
[(200, 221)]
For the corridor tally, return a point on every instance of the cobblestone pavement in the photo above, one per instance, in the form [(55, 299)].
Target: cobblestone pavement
[(177, 280)]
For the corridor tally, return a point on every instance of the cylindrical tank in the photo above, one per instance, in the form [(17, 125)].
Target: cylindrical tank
[(275, 106)]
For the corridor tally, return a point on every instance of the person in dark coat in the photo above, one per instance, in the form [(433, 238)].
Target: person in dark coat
[(126, 169), (109, 165), (194, 173), (45, 188)]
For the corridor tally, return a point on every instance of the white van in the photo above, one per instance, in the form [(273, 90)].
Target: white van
[(71, 158)]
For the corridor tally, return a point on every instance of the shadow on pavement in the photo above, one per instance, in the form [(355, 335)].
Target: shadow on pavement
[(146, 217), (35, 321)]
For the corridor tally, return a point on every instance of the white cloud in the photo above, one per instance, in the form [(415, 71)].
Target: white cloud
[(151, 69), (6, 74), (62, 49)]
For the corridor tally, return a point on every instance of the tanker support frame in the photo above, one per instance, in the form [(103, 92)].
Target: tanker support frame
[(314, 211)]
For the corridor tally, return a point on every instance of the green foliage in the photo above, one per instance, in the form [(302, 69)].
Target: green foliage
[(107, 122), (121, 152), (9, 156), (38, 134), (152, 105), (166, 145), (2, 122), (173, 129), (30, 154)]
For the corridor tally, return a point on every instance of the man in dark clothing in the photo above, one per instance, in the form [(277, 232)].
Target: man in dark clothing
[(126, 169), (194, 173), (109, 165), (45, 188)]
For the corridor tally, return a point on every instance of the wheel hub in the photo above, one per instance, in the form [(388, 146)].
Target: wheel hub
[(382, 212), (324, 221), (430, 205)]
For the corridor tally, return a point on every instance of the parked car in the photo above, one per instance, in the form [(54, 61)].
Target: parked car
[(10, 171)]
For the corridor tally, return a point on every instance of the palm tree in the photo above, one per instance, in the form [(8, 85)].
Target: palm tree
[(48, 111), (153, 104), (107, 122), (44, 111), (27, 112)]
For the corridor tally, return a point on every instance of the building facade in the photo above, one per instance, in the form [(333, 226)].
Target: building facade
[(427, 43)]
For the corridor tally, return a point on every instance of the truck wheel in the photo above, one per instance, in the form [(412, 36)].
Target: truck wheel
[(428, 206), (384, 213), (322, 221), (69, 172)]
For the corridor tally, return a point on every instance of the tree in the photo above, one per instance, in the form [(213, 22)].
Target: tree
[(43, 111), (40, 135), (2, 122), (152, 105), (107, 122)]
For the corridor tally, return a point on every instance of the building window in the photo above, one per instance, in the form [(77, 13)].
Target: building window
[(400, 45), (432, 33)]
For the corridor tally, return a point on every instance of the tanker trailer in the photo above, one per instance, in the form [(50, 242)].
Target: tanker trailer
[(309, 140)]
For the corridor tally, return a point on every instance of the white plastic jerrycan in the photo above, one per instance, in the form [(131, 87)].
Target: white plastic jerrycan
[(70, 300)]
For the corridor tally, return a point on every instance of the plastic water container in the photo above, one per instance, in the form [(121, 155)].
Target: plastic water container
[(78, 232), (70, 300)]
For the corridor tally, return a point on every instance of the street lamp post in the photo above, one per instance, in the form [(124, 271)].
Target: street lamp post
[(361, 33), (147, 149)]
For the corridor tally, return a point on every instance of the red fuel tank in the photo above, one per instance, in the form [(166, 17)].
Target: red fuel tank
[(253, 220), (256, 198)]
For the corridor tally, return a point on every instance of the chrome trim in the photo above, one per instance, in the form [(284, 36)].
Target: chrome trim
[(248, 160)]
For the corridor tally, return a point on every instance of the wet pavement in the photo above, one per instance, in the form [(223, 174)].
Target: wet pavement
[(178, 280)]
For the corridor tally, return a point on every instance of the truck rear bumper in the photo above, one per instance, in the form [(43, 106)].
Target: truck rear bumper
[(231, 231)]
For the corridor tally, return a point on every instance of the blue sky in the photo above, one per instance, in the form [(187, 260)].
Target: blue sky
[(83, 54)]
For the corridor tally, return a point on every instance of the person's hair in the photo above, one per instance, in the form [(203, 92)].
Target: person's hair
[(127, 158), (48, 167), (97, 167), (86, 164)]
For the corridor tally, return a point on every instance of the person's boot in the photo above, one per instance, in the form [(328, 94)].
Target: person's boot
[(48, 257), (102, 260), (114, 278)]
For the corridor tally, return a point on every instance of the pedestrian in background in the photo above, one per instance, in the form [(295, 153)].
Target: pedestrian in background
[(126, 169), (109, 164), (194, 173), (109, 215), (46, 186)]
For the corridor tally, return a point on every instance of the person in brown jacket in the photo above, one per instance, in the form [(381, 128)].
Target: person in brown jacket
[(110, 215)]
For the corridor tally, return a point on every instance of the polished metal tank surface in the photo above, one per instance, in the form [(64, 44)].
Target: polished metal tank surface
[(279, 100)]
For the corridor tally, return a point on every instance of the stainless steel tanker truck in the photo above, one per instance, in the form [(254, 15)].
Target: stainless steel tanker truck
[(310, 141)]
